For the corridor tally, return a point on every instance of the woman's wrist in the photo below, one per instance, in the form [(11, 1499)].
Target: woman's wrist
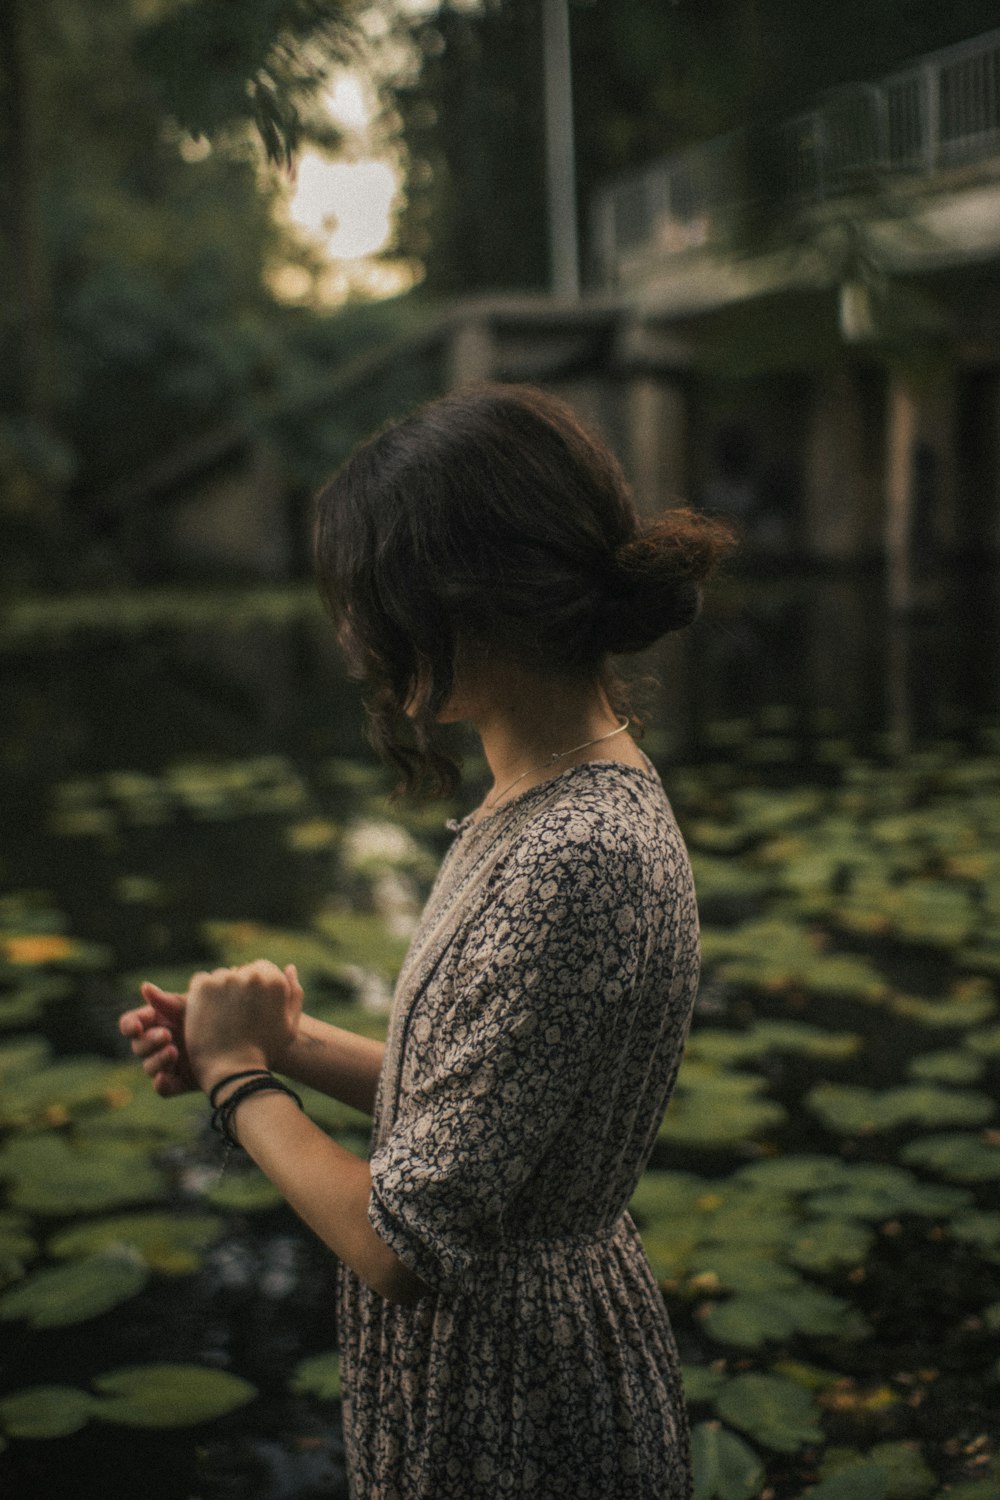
[(212, 1071)]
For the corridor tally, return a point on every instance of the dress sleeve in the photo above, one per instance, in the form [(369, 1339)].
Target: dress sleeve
[(544, 977)]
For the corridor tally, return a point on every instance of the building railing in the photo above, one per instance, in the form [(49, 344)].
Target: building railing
[(940, 113)]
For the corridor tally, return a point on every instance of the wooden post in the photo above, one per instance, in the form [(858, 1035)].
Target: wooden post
[(901, 434)]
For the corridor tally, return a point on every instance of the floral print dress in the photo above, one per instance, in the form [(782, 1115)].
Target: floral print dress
[(537, 1029)]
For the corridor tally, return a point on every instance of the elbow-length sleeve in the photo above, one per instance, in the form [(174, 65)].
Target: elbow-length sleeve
[(544, 978)]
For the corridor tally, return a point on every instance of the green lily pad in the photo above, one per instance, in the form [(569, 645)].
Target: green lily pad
[(171, 1244), (946, 1067), (243, 1192), (979, 1227), (50, 1176), (16, 1239), (752, 1268), (711, 1108), (751, 1319), (870, 1190), (318, 1376), (770, 1409), (26, 1055), (725, 1467), (863, 1481), (853, 1109), (702, 1383), (957, 1154), (793, 1174), (906, 1475), (45, 1411), (169, 1395), (826, 1244), (66, 1085), (74, 1293), (985, 1043)]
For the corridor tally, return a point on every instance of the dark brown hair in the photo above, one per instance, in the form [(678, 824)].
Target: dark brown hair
[(494, 516)]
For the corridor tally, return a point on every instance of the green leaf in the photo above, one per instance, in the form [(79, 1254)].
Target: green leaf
[(318, 1376), (863, 1481), (702, 1383), (50, 1176), (793, 1174), (774, 1411), (168, 1395), (853, 1109), (826, 1244), (71, 1294), (947, 1066), (168, 1243), (243, 1192), (750, 1319), (66, 1085), (725, 1467), (45, 1411), (962, 1156)]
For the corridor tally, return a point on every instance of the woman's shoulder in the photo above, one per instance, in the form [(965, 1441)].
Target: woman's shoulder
[(604, 814)]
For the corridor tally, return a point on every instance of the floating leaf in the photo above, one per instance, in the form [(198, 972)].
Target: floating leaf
[(68, 1084), (169, 1243), (863, 1481), (946, 1067), (52, 1177), (960, 1155), (701, 1383), (853, 1109), (243, 1192), (751, 1268), (725, 1468), (826, 1244), (45, 1411), (751, 1319), (905, 1474), (169, 1395), (794, 1174), (709, 1108), (979, 1227), (985, 1043), (774, 1411), (71, 1294), (318, 1376)]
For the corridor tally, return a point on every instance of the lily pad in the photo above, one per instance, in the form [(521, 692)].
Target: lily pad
[(947, 1067), (863, 1481), (66, 1085), (45, 1411), (243, 1192), (51, 1176), (702, 1383), (853, 1109), (171, 1244), (751, 1319), (169, 1395), (71, 1294), (905, 1474), (711, 1108), (957, 1154), (826, 1244), (318, 1376), (770, 1409), (725, 1467)]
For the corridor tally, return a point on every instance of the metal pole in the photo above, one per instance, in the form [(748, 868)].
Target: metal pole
[(559, 153)]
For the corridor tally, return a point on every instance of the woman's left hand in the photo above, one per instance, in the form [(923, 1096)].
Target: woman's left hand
[(240, 1018)]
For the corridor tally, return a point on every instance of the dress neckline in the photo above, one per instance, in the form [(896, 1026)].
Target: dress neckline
[(492, 819)]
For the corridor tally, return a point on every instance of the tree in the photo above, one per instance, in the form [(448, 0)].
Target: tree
[(137, 231)]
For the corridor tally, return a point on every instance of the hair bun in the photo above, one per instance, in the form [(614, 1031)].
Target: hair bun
[(654, 586)]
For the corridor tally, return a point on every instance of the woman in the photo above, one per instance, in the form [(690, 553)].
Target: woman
[(502, 1334)]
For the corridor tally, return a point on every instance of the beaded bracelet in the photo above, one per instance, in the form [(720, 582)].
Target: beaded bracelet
[(258, 1082), (232, 1077)]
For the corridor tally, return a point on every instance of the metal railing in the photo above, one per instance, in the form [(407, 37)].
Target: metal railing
[(940, 113)]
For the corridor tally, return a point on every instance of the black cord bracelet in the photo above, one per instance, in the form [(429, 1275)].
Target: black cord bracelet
[(261, 1082), (232, 1077)]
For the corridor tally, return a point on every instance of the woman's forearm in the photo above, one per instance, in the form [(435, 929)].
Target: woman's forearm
[(335, 1061), (328, 1187)]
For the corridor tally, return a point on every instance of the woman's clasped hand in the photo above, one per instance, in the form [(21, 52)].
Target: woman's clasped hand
[(242, 1017)]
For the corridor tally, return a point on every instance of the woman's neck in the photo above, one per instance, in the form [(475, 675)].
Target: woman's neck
[(534, 726)]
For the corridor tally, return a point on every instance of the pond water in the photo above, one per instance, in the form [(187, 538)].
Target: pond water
[(185, 780)]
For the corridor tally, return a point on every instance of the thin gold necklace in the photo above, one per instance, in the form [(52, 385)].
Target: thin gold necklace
[(491, 802)]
